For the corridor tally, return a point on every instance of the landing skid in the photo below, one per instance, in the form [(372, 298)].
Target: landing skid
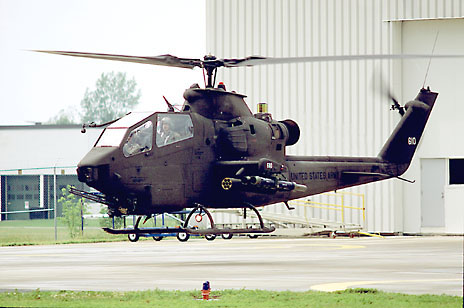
[(216, 231), (145, 230), (229, 231), (184, 232)]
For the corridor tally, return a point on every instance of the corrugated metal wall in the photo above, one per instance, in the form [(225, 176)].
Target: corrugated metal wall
[(338, 105)]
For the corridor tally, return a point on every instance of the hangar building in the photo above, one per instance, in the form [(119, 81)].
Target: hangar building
[(30, 158), (341, 107)]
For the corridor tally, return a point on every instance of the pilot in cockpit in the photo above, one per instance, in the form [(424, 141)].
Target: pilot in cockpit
[(139, 140), (167, 134)]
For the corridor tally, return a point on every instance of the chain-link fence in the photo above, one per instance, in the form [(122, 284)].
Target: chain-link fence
[(36, 206)]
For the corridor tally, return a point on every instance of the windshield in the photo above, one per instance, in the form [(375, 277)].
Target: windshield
[(113, 134), (111, 137), (140, 140)]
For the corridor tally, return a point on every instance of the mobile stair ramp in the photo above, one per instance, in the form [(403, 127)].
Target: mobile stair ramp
[(305, 223)]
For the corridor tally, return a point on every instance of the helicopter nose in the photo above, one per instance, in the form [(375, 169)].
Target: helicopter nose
[(95, 166), (92, 175)]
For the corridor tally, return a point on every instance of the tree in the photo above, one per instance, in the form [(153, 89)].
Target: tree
[(65, 116), (114, 96), (73, 209)]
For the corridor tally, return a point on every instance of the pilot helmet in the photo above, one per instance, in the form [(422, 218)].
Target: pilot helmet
[(166, 120)]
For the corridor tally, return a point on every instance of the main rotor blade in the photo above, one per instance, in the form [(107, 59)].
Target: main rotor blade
[(256, 60), (164, 60), (169, 60)]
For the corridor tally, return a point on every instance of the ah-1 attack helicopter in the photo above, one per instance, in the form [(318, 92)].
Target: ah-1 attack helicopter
[(215, 153)]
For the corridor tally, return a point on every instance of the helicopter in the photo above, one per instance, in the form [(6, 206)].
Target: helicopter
[(216, 154)]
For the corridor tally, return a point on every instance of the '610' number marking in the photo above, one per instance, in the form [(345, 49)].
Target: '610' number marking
[(412, 141)]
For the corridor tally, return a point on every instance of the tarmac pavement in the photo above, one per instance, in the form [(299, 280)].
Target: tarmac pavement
[(413, 265)]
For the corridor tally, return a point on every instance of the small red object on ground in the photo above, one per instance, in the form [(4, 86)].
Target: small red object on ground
[(205, 294), (205, 291)]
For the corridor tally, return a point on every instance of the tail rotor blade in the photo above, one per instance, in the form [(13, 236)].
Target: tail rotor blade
[(386, 91)]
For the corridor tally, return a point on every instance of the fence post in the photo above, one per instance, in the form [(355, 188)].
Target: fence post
[(82, 217), (54, 202)]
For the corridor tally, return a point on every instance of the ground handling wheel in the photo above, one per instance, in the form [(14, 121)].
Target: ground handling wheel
[(253, 235), (157, 238), (227, 236), (210, 237), (133, 237), (183, 237)]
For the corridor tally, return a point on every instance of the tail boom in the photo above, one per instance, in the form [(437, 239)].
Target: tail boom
[(326, 173)]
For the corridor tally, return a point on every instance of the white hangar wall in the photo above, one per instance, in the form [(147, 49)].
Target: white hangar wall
[(338, 105), (440, 204), (30, 148)]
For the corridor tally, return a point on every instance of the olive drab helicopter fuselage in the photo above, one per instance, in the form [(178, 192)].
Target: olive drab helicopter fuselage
[(215, 153), (215, 132)]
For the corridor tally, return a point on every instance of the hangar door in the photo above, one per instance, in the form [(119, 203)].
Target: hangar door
[(433, 192)]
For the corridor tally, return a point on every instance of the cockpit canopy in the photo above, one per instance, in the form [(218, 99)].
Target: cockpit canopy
[(114, 133), (135, 132)]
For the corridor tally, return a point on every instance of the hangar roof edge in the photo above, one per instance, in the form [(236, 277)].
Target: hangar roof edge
[(43, 126)]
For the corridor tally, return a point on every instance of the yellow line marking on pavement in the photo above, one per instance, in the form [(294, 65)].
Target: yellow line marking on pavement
[(340, 286), (371, 234)]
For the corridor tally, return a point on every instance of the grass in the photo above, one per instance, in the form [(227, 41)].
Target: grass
[(42, 232), (226, 298)]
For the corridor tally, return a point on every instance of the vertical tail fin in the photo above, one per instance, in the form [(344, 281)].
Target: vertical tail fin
[(402, 144)]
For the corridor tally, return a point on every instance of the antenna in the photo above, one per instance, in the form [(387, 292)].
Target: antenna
[(170, 106), (430, 59)]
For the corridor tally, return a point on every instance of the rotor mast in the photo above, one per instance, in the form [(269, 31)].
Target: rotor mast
[(210, 64)]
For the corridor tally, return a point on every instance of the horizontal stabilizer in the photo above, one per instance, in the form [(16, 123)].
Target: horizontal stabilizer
[(367, 174)]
